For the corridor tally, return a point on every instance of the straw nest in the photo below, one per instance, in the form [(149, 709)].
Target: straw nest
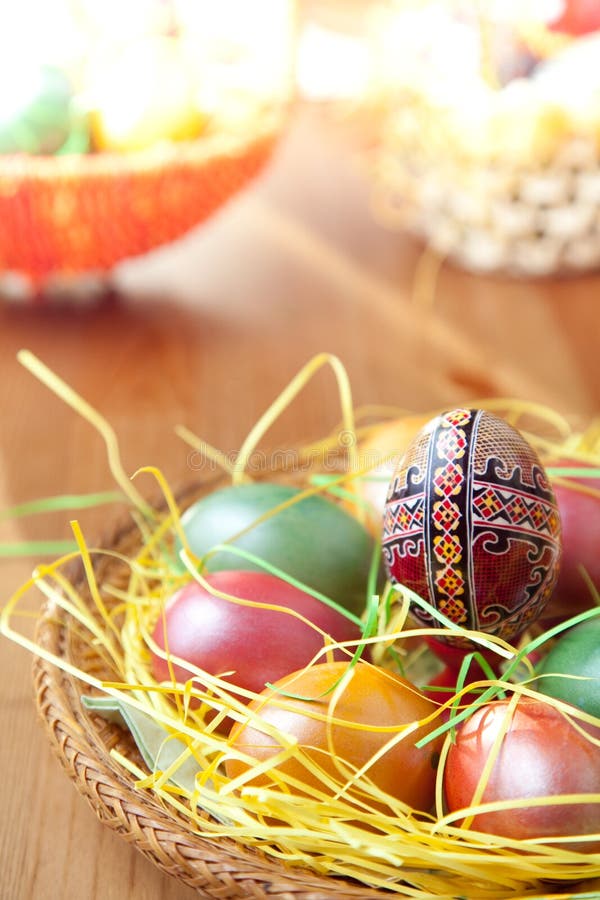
[(93, 638)]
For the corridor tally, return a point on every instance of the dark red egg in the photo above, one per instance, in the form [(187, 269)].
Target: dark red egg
[(471, 525), (578, 499), (453, 658), (250, 645), (444, 686), (537, 752)]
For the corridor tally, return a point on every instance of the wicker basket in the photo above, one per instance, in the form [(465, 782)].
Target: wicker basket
[(66, 216), (498, 178), (498, 216), (223, 868)]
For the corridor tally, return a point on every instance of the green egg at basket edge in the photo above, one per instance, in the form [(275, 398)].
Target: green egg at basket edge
[(314, 540), (576, 653)]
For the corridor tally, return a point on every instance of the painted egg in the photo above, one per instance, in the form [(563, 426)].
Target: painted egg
[(471, 524), (577, 17), (361, 725), (313, 539), (144, 95), (40, 115), (536, 751)]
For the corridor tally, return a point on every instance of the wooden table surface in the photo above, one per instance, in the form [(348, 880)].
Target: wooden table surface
[(205, 334)]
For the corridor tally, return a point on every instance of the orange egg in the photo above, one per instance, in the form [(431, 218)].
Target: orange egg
[(344, 734)]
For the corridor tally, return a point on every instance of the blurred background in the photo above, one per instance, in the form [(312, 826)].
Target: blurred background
[(123, 126)]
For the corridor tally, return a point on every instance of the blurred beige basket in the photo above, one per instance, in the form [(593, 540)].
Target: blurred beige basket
[(500, 180)]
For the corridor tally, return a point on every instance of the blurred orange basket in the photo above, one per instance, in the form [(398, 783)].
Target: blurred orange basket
[(85, 213)]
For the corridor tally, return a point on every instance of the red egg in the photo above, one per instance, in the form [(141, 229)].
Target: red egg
[(580, 519), (540, 754), (443, 687), (250, 645), (471, 525)]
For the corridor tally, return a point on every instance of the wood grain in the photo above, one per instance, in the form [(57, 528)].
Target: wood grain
[(205, 334)]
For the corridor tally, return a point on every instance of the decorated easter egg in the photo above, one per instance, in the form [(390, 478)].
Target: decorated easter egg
[(310, 539), (471, 525)]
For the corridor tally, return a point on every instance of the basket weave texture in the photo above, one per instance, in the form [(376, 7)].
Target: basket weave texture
[(491, 152), (222, 869), (75, 214), (499, 215)]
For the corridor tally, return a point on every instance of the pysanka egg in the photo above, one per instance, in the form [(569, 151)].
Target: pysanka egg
[(471, 524)]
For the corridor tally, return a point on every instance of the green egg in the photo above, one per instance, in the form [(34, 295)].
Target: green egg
[(41, 115), (577, 652), (314, 541)]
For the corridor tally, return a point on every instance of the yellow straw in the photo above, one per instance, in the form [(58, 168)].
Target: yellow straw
[(83, 408), (285, 398)]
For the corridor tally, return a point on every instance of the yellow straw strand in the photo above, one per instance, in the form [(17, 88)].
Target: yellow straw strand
[(66, 393), (426, 278), (286, 397), (212, 454)]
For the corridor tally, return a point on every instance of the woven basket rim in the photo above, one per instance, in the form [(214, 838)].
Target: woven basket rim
[(223, 867), (16, 168)]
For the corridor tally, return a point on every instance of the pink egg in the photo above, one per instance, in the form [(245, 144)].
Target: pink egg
[(580, 520), (471, 524), (253, 644)]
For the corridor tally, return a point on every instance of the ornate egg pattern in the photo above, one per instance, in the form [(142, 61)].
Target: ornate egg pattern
[(471, 524)]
